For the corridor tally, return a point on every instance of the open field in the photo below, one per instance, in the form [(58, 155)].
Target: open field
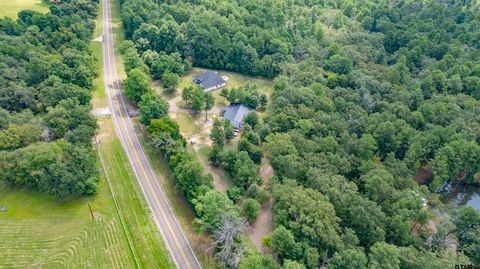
[(10, 8), (38, 232), (235, 80)]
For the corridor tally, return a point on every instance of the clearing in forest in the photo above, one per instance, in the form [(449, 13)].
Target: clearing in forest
[(10, 8)]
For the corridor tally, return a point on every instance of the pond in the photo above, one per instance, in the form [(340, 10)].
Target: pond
[(464, 195)]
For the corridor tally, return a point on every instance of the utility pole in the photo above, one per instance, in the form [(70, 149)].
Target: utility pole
[(91, 211)]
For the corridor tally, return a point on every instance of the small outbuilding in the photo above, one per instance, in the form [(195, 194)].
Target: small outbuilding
[(235, 113), (209, 80)]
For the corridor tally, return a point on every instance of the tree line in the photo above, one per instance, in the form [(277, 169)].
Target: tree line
[(46, 75)]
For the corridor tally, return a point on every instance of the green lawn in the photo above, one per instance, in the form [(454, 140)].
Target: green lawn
[(187, 124), (222, 173), (146, 238), (39, 232), (235, 80), (10, 8), (98, 94)]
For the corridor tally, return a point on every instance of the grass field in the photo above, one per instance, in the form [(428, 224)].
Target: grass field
[(146, 238), (235, 80), (187, 124), (10, 8)]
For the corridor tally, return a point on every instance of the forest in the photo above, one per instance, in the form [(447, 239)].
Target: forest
[(46, 73), (366, 93)]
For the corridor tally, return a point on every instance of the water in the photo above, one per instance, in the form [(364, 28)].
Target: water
[(464, 195)]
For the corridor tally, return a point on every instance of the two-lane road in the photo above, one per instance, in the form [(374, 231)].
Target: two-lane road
[(176, 242)]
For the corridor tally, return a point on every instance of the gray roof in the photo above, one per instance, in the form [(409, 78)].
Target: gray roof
[(235, 114), (208, 79)]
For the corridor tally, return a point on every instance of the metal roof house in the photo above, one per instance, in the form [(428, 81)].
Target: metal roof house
[(209, 80), (235, 113)]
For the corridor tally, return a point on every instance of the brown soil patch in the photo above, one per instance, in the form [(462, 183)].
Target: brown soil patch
[(263, 225)]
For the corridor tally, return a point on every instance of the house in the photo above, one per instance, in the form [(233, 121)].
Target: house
[(209, 80), (235, 113)]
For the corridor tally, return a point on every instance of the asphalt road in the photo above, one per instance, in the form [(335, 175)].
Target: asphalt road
[(176, 242)]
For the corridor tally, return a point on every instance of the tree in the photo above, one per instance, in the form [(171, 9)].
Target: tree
[(165, 125), (187, 94), (218, 135), (210, 209), (136, 84), (258, 261), (246, 172), (152, 107), (350, 258), (198, 100), (250, 209), (252, 119), (289, 264), (263, 100), (227, 242), (235, 193), (59, 168), (300, 210), (132, 59), (209, 103), (467, 222), (170, 81), (224, 93), (457, 160), (339, 64), (72, 121), (16, 136), (283, 243), (228, 129), (232, 96), (189, 174), (215, 155), (384, 256)]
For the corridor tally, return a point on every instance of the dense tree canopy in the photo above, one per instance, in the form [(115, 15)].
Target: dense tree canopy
[(46, 74), (366, 93)]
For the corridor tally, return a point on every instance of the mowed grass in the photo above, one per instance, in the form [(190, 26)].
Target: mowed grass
[(37, 231), (235, 80), (146, 238), (187, 124), (10, 8)]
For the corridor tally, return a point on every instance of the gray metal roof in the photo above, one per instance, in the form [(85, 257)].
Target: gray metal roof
[(208, 79), (235, 113)]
